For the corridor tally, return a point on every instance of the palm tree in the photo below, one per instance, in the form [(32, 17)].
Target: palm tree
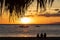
[(20, 6), (42, 4), (1, 2), (50, 2)]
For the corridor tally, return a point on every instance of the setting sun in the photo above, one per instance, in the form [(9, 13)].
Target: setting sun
[(25, 20)]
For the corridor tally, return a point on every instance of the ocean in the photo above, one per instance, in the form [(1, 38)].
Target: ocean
[(14, 30)]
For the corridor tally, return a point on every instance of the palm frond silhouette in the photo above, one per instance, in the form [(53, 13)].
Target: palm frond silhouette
[(42, 4), (1, 4), (50, 2), (20, 6)]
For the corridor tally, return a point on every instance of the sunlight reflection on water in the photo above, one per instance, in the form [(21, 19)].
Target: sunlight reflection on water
[(16, 31)]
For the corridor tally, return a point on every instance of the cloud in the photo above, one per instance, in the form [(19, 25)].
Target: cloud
[(51, 15), (56, 9), (56, 23)]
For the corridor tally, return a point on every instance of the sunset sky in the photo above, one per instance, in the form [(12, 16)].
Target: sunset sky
[(35, 19)]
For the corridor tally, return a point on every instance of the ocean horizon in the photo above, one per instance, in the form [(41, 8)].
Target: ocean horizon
[(31, 31)]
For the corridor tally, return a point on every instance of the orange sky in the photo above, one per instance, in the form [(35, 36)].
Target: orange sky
[(35, 19)]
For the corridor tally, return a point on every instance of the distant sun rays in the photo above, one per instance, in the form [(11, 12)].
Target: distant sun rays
[(25, 20), (28, 11)]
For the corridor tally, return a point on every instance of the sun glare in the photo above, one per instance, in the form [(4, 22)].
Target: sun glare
[(25, 20)]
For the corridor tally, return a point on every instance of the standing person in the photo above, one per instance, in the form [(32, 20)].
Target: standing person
[(38, 35), (44, 35), (41, 35)]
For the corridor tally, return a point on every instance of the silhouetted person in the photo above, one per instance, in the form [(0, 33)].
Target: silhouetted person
[(41, 35), (38, 35), (44, 35)]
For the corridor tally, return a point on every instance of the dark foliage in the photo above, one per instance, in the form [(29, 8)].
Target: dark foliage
[(1, 2), (20, 6), (42, 4), (50, 2)]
